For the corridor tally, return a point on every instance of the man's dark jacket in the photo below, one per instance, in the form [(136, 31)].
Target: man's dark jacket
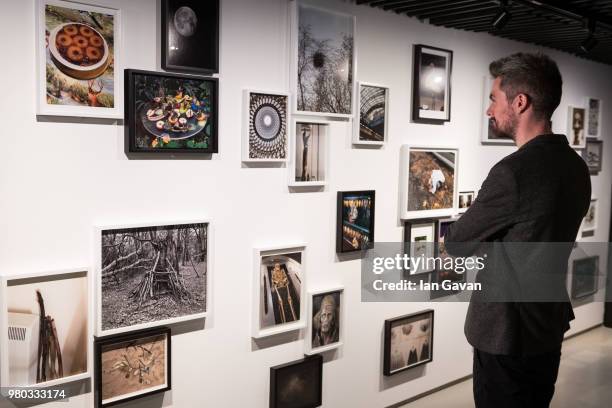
[(540, 193)]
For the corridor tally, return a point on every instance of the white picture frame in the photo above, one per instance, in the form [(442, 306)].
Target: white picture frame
[(45, 109), (486, 135), (308, 337), (593, 117), (47, 276), (357, 120), (294, 162), (468, 196), (576, 127), (246, 126), (97, 260), (259, 285), (589, 222)]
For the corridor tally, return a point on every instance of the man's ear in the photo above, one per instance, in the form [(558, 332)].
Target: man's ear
[(521, 103)]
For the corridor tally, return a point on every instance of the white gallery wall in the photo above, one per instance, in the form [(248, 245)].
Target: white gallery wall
[(59, 178)]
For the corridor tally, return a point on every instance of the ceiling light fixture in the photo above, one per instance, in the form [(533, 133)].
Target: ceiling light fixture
[(502, 17), (590, 42)]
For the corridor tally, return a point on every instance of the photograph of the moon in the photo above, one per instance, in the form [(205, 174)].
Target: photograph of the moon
[(185, 21)]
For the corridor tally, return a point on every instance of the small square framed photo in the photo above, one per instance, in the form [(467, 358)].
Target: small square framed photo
[(594, 109), (466, 198), (355, 221), (431, 92), (310, 156), (408, 342), (266, 127), (585, 276), (325, 320), (132, 366), (576, 127), (372, 124), (421, 239), (592, 154), (298, 384)]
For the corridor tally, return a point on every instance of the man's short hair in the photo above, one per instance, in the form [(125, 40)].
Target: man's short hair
[(535, 75)]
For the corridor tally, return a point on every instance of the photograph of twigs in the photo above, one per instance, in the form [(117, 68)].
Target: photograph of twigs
[(153, 274)]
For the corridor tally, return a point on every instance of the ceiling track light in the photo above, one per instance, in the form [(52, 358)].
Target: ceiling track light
[(502, 17), (590, 42)]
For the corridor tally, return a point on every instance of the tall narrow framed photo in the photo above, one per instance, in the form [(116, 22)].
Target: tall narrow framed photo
[(79, 65), (298, 384), (266, 127), (170, 113), (190, 36), (592, 154), (585, 276), (278, 290), (487, 128), (431, 93), (408, 342), (589, 222), (45, 334), (323, 61), (428, 178), (446, 273), (132, 366), (594, 109), (576, 127), (309, 165), (421, 239), (372, 124), (355, 220), (149, 275), (325, 320)]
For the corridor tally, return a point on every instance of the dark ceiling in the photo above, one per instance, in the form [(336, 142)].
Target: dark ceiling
[(562, 25)]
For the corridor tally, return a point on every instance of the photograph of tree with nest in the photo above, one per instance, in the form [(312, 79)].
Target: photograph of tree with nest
[(152, 275)]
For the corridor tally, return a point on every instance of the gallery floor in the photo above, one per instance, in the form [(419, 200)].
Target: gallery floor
[(584, 377)]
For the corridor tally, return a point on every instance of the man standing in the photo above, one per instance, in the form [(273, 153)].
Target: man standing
[(540, 193)]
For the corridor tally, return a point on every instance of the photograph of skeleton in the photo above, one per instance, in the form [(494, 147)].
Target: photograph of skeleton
[(310, 155), (355, 224), (372, 114), (267, 123), (408, 342), (152, 274), (575, 130), (324, 61)]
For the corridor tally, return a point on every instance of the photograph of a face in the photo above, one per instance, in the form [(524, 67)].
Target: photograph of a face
[(355, 230), (408, 342), (190, 35), (589, 222), (48, 331), (432, 76), (420, 238), (594, 117), (298, 384), (325, 61), (585, 276), (267, 121), (152, 275), (465, 200), (576, 127), (325, 321), (592, 154), (132, 366), (170, 113), (310, 153), (372, 114), (78, 59)]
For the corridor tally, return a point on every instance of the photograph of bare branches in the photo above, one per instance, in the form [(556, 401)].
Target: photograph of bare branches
[(153, 274), (324, 61)]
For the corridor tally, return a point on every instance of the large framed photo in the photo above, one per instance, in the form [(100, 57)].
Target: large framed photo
[(487, 128), (278, 290), (46, 323), (592, 154), (428, 181), (151, 274), (408, 342), (373, 122), (576, 127), (594, 109), (190, 36), (78, 49), (325, 320), (266, 127), (355, 220), (298, 384), (310, 156), (133, 365), (170, 113), (585, 276), (421, 238), (431, 93), (323, 66)]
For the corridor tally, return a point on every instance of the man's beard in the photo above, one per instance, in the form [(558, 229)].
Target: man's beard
[(508, 131)]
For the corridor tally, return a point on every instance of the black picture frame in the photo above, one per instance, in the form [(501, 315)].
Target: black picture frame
[(594, 169), (340, 248), (100, 342), (389, 324), (417, 117), (441, 274), (592, 278), (205, 41), (280, 372), (408, 224), (131, 147)]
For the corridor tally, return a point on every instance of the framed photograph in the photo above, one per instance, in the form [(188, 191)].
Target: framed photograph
[(372, 125), (408, 342), (170, 113), (323, 63), (45, 333), (190, 36), (298, 384), (266, 124), (592, 154), (133, 365), (78, 52), (431, 92), (428, 182), (325, 320), (466, 198), (585, 276), (355, 220), (420, 236), (278, 290), (445, 273), (310, 154), (151, 274), (576, 127), (487, 129), (594, 108), (589, 222)]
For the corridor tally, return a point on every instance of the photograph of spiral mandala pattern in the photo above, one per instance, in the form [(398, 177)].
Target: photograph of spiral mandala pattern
[(267, 126)]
